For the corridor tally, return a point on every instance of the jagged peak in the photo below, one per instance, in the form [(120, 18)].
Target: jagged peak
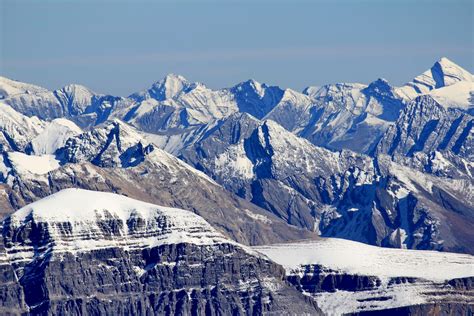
[(333, 89), (444, 61), (256, 87), (173, 83), (239, 116), (76, 87), (380, 81), (252, 85), (174, 77), (311, 90), (379, 86), (169, 87), (443, 73), (450, 70), (77, 91), (295, 96)]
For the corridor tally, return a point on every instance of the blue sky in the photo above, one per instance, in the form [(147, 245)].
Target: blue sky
[(119, 47)]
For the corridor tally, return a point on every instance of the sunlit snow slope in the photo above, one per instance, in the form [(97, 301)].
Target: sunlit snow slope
[(345, 276)]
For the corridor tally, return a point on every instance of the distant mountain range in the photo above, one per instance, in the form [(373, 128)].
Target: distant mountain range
[(257, 165)]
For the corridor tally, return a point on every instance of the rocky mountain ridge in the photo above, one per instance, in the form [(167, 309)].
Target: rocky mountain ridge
[(82, 251)]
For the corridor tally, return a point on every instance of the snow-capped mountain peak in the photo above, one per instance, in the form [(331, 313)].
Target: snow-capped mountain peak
[(167, 88), (443, 73), (381, 84), (77, 90), (256, 98), (251, 85), (9, 87)]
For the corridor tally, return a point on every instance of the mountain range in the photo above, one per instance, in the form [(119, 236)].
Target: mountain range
[(260, 170)]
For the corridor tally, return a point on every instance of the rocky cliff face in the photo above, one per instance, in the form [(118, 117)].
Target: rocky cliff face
[(174, 105), (349, 116), (424, 309), (75, 102), (375, 297), (116, 158), (427, 126), (88, 252), (337, 194)]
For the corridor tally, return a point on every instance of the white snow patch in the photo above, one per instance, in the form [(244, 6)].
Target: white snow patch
[(358, 258), (459, 95), (234, 162), (33, 164), (258, 217), (54, 136)]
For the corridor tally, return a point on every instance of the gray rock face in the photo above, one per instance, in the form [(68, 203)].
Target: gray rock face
[(181, 279), (424, 309), (175, 105), (344, 194), (151, 261), (115, 158), (318, 279), (426, 126), (350, 116), (83, 106), (255, 98), (444, 298)]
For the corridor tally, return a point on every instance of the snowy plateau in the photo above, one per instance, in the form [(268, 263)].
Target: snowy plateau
[(179, 199)]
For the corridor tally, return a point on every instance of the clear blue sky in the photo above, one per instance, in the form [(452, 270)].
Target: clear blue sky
[(119, 47)]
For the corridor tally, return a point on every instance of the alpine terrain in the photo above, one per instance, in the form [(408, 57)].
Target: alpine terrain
[(180, 199)]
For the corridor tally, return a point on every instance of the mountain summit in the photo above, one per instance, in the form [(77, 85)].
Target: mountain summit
[(167, 88), (442, 74)]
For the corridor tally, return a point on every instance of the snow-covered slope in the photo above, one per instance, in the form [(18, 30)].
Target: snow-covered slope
[(426, 125), (443, 73), (361, 259), (175, 103), (116, 157), (17, 129), (54, 136), (337, 116), (167, 88), (10, 88), (78, 103), (276, 169), (131, 251), (339, 194), (141, 224), (292, 112), (458, 95), (372, 278), (255, 98), (212, 130), (31, 164), (190, 108)]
